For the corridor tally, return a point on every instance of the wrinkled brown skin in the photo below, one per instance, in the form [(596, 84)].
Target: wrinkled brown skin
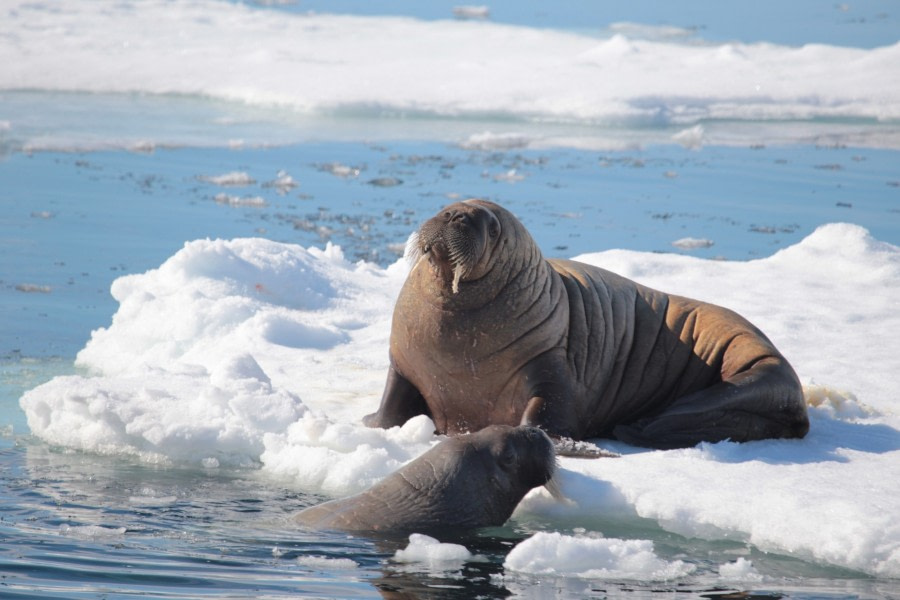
[(574, 349), (465, 482)]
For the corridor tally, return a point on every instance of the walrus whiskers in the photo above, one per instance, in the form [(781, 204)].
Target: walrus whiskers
[(413, 250), (552, 486)]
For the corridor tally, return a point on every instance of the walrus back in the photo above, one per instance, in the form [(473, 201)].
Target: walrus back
[(634, 350)]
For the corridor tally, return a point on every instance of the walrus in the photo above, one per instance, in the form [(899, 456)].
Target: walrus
[(466, 482), (487, 331)]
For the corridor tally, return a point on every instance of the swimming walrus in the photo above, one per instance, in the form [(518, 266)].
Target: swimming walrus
[(487, 331), (464, 482)]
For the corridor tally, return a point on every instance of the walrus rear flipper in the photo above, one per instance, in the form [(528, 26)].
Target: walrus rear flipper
[(763, 402)]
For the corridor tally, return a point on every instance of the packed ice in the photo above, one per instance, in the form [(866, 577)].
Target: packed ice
[(386, 67)]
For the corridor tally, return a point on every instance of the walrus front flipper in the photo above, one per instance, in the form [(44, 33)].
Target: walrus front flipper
[(762, 402), (400, 402)]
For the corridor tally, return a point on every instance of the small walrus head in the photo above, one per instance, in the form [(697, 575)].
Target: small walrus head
[(457, 241)]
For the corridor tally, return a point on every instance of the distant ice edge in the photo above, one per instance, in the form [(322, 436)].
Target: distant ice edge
[(250, 68)]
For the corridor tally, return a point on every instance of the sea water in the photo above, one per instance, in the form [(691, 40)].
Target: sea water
[(202, 239)]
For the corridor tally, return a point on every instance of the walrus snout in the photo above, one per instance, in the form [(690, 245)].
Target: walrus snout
[(455, 239), (544, 467), (534, 451)]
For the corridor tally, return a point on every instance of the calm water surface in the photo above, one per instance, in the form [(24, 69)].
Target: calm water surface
[(78, 526)]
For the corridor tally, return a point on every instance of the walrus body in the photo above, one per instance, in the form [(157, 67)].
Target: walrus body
[(465, 482), (487, 331)]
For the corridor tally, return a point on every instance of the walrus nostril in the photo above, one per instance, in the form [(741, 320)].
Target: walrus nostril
[(455, 216)]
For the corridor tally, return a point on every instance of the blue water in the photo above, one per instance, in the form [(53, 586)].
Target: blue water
[(70, 223), (75, 222)]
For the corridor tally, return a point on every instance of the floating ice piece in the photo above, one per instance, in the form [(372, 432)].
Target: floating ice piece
[(339, 170), (325, 563), (741, 570), (229, 200), (511, 176), (232, 179), (33, 288), (283, 183), (592, 557), (496, 141), (434, 554), (471, 12), (690, 243)]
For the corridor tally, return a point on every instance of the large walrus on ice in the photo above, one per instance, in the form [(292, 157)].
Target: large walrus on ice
[(487, 331)]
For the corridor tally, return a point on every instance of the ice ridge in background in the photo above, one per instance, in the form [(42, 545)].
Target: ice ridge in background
[(258, 76)]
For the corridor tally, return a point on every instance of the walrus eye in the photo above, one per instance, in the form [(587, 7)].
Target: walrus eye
[(494, 230), (507, 459)]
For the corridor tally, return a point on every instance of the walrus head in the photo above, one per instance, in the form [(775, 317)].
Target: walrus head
[(525, 456), (457, 241)]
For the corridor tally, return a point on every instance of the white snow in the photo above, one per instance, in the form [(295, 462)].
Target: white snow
[(251, 352), (330, 65)]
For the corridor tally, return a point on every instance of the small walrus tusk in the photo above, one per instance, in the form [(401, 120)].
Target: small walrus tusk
[(552, 486)]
